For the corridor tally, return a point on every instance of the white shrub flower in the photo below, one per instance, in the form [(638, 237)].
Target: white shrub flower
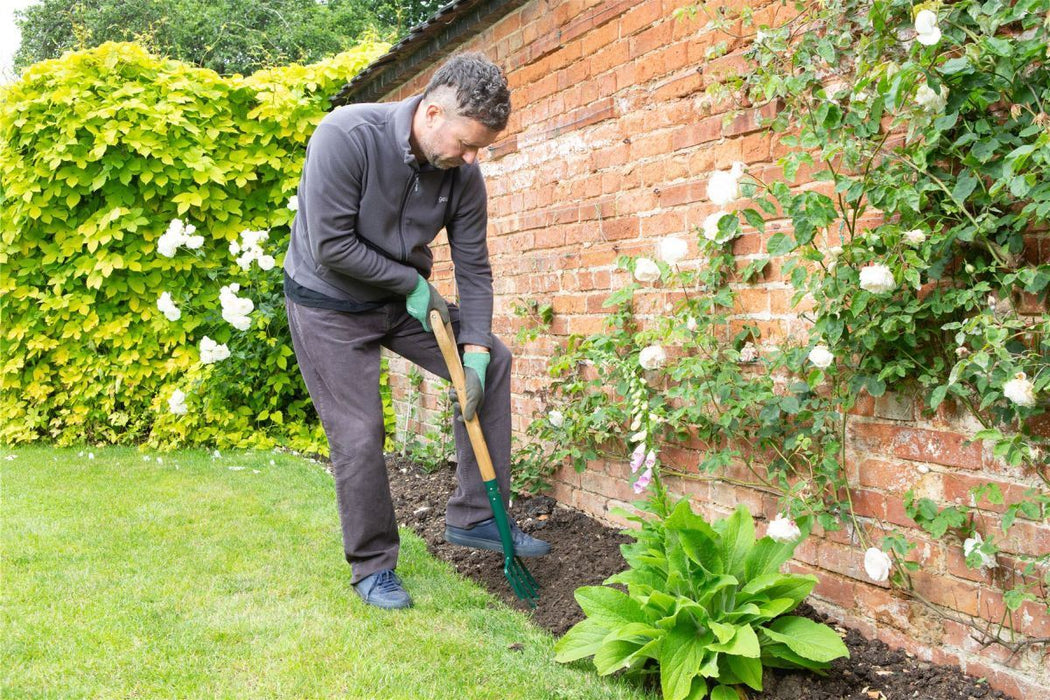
[(177, 404), (974, 543), (877, 564), (914, 237), (783, 529), (877, 279), (235, 309), (652, 357), (645, 270), (168, 308), (557, 418), (672, 249), (927, 32), (749, 353), (250, 250), (266, 262), (929, 100), (178, 234), (821, 357), (710, 225), (212, 352), (724, 185), (1020, 390), (293, 203)]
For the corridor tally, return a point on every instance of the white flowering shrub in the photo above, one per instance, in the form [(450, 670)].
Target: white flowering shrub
[(141, 286)]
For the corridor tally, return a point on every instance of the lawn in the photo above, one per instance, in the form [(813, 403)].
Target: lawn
[(125, 575)]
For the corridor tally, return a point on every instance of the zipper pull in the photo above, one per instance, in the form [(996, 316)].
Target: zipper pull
[(415, 178)]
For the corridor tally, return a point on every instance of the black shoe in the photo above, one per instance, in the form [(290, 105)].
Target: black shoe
[(485, 535)]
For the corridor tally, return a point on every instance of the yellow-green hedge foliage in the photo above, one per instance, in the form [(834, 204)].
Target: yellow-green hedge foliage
[(99, 151)]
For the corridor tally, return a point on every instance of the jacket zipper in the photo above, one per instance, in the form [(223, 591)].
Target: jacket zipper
[(412, 184)]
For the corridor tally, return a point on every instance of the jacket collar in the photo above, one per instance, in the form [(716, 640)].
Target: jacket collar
[(403, 114)]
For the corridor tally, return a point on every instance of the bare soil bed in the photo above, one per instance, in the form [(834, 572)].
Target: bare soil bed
[(585, 552)]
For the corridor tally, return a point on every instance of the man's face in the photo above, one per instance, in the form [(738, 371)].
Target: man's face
[(449, 140)]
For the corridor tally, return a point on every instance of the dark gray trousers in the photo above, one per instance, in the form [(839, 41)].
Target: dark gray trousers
[(338, 354)]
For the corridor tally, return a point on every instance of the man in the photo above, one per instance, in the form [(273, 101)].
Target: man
[(379, 182)]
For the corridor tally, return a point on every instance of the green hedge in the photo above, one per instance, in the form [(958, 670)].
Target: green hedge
[(99, 152)]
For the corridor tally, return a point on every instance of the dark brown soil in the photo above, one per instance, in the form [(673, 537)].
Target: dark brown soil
[(585, 552)]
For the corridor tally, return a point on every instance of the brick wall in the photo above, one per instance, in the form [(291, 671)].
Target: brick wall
[(609, 149)]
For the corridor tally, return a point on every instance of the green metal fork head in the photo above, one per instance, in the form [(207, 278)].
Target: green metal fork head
[(521, 581)]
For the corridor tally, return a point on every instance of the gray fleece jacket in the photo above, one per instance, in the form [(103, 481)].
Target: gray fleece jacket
[(368, 212)]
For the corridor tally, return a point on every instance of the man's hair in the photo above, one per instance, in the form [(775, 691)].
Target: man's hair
[(480, 88)]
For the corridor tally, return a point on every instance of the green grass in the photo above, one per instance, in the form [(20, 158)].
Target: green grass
[(223, 577)]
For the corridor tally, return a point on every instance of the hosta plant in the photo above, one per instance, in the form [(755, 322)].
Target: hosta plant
[(705, 607)]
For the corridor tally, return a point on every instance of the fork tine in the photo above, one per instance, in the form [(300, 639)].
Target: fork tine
[(521, 581)]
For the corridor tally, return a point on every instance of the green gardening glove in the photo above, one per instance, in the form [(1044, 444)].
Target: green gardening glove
[(475, 365), (424, 299)]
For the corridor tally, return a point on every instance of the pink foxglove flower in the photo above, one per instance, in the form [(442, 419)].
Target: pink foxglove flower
[(637, 457), (643, 481), (650, 460)]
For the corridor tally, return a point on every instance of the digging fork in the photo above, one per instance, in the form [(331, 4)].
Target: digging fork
[(521, 581)]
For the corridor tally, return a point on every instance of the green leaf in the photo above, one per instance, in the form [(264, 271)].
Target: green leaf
[(744, 643), (738, 537), (766, 557), (748, 670), (608, 606), (680, 660), (724, 692), (582, 640), (807, 638)]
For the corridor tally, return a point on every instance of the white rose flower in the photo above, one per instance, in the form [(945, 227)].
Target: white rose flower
[(293, 203), (652, 357), (212, 352), (557, 418), (724, 185), (235, 309), (710, 225), (1020, 390), (168, 308), (235, 248), (783, 529), (177, 403), (914, 237), (645, 270), (877, 564), (877, 279), (987, 560), (927, 32), (929, 100), (672, 250), (194, 242), (690, 324), (749, 353), (821, 357), (267, 262)]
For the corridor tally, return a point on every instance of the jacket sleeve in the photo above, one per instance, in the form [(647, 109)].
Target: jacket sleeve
[(334, 170), (467, 228)]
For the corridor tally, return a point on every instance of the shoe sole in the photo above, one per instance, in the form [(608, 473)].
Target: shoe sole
[(487, 544)]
